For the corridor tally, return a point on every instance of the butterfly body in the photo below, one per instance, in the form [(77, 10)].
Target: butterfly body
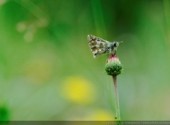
[(100, 46)]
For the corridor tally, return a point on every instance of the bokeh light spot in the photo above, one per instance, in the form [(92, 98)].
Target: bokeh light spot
[(79, 90)]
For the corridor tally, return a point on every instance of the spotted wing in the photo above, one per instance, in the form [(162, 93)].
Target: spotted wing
[(97, 45)]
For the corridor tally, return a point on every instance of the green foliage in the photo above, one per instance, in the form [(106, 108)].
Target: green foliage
[(4, 114), (44, 42)]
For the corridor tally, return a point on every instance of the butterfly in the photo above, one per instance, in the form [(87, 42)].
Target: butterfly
[(100, 46)]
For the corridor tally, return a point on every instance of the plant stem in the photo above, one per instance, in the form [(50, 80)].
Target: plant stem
[(117, 107)]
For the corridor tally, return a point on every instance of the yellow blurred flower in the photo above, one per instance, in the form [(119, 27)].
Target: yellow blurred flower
[(78, 90), (101, 115)]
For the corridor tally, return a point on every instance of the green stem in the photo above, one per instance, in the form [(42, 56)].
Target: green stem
[(117, 107)]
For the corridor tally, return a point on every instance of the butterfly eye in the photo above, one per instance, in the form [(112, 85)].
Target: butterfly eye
[(115, 45)]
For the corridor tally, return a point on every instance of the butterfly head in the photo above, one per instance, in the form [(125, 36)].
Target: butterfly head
[(114, 46)]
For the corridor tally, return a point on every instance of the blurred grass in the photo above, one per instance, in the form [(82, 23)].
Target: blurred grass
[(43, 44)]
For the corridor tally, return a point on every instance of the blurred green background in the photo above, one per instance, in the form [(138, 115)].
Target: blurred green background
[(47, 71)]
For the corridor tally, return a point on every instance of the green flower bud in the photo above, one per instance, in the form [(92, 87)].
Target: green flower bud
[(113, 66)]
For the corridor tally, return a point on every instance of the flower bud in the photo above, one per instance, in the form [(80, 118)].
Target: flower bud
[(113, 66)]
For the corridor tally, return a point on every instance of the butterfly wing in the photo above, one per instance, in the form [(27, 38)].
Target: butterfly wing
[(97, 45)]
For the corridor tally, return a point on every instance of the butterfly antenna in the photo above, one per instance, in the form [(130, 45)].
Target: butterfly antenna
[(121, 42)]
